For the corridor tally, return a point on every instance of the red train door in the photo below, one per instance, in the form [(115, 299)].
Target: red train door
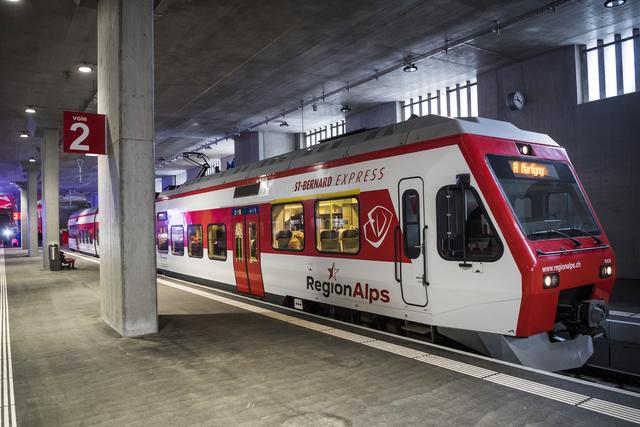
[(246, 251)]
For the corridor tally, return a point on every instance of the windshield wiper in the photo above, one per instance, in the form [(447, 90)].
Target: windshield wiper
[(560, 233), (597, 240)]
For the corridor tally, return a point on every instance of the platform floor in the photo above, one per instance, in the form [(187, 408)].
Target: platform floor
[(218, 364)]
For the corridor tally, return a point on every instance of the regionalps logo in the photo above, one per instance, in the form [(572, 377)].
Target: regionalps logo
[(377, 227), (358, 290)]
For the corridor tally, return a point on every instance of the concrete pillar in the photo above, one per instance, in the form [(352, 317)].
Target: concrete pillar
[(255, 146), (126, 173), (380, 115), (50, 192), (24, 215), (32, 170)]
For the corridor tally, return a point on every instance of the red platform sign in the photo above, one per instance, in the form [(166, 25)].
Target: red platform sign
[(84, 133)]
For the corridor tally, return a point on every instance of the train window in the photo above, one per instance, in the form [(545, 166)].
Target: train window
[(465, 231), (287, 226), (411, 224), (252, 230), (338, 225), (217, 241), (194, 233), (177, 240), (238, 240), (163, 239)]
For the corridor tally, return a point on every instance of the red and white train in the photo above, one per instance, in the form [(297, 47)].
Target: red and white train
[(471, 226), (83, 229)]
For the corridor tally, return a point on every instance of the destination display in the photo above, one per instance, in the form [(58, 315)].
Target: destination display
[(532, 170)]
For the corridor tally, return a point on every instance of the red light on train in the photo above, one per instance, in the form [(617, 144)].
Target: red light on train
[(16, 216)]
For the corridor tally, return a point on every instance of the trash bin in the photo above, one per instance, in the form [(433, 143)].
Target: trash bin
[(54, 257)]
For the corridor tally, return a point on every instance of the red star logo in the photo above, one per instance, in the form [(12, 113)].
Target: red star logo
[(333, 271)]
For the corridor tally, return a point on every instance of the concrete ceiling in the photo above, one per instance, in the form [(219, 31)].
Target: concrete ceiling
[(222, 65)]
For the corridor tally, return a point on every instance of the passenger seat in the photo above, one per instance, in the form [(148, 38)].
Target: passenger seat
[(282, 239), (329, 240)]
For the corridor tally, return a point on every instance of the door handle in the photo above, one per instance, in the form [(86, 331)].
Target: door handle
[(424, 256), (396, 232)]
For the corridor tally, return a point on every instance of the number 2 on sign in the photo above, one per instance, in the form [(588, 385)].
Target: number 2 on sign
[(77, 143)]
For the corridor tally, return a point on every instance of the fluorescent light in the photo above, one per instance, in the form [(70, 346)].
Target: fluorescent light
[(85, 68), (614, 3), (24, 134), (30, 110), (91, 155), (410, 68), (32, 160)]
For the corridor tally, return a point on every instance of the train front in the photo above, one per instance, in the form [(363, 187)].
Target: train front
[(566, 261)]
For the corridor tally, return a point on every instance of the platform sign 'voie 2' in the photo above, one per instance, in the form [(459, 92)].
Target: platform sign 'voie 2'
[(84, 133)]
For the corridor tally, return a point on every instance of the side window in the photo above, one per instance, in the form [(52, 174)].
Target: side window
[(217, 241), (287, 226), (177, 240), (411, 223), (194, 233), (465, 232), (338, 225), (163, 239)]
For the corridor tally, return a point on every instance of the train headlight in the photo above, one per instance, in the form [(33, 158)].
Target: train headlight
[(606, 270), (551, 280), (525, 149), (7, 232)]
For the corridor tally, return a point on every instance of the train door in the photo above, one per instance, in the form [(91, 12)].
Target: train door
[(410, 252), (246, 251)]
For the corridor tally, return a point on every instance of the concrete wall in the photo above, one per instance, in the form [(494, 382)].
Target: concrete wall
[(601, 138), (381, 115), (251, 147)]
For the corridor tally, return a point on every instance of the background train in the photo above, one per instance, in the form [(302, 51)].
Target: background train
[(471, 228)]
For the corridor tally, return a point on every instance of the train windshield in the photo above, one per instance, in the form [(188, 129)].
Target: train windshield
[(545, 197)]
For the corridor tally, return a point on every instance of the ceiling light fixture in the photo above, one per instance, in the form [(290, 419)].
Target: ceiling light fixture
[(32, 160), (345, 109), (91, 155), (284, 124), (30, 110), (24, 134), (84, 68), (614, 3), (410, 68)]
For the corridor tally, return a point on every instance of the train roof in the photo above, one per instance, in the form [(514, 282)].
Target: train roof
[(83, 212), (413, 130)]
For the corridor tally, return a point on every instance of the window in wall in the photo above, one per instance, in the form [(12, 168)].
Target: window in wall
[(609, 66), (460, 100), (177, 240), (465, 232), (194, 233), (317, 135), (217, 242), (287, 226), (338, 225)]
